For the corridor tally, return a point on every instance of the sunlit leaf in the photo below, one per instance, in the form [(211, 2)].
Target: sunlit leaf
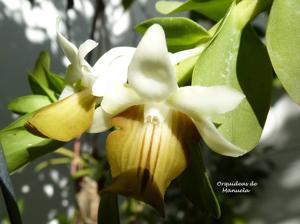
[(238, 59), (181, 33), (196, 186), (283, 43), (21, 147), (27, 104), (65, 119), (214, 9)]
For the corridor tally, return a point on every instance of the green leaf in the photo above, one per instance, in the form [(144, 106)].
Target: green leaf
[(196, 186), (283, 43), (238, 59), (27, 104), (108, 212), (55, 82), (21, 147), (184, 71), (213, 9), (38, 78), (20, 122), (181, 33)]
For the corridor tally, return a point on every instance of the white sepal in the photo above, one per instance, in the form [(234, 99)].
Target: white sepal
[(198, 101), (216, 142), (150, 72), (69, 49)]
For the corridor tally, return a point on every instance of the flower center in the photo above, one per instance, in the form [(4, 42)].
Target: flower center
[(155, 113)]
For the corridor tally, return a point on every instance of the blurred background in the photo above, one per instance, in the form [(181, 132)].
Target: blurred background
[(45, 191)]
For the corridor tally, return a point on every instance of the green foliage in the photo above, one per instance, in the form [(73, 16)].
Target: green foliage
[(44, 82), (181, 33), (283, 43), (214, 9), (196, 186), (20, 146), (226, 62), (27, 104)]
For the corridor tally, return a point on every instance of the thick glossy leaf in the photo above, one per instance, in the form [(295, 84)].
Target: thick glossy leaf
[(184, 69), (213, 9), (181, 33), (21, 147), (108, 212), (196, 186), (8, 192), (283, 43), (238, 59), (27, 104)]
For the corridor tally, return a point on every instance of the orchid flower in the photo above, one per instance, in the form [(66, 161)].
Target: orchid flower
[(76, 110), (155, 121)]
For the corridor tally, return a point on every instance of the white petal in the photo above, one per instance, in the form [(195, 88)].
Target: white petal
[(119, 98), (101, 86), (151, 72), (216, 141), (67, 91), (86, 47), (69, 49), (101, 121), (198, 101), (113, 65)]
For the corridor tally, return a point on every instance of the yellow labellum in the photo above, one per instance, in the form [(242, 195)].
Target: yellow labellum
[(65, 119), (145, 156)]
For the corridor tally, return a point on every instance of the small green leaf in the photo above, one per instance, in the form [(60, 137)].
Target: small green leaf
[(21, 147), (213, 9), (55, 82), (38, 88), (283, 43), (181, 33), (38, 79), (196, 186), (27, 104), (238, 59)]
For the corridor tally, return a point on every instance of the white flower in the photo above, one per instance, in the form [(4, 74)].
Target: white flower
[(149, 147), (152, 83)]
